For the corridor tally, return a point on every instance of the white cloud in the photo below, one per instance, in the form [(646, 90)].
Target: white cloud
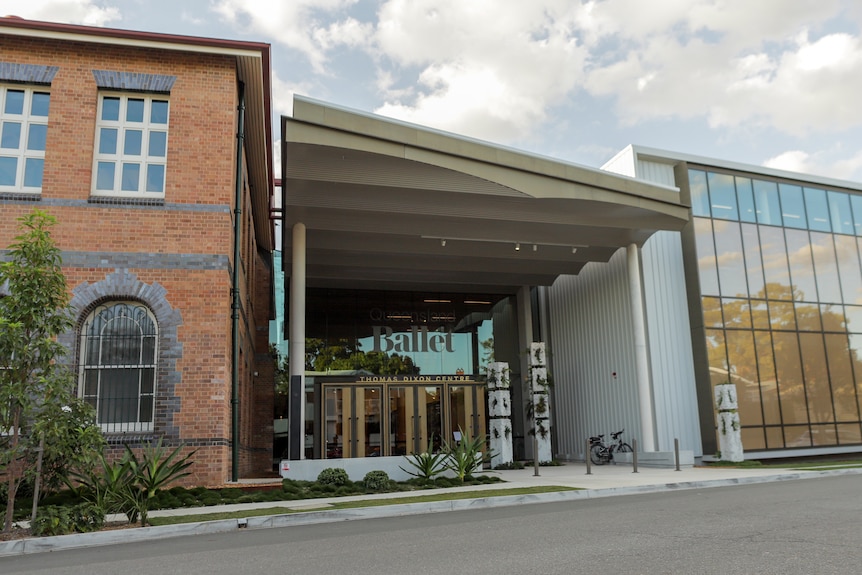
[(793, 161), (298, 24), (832, 163), (490, 69), (87, 12), (769, 63), (498, 69)]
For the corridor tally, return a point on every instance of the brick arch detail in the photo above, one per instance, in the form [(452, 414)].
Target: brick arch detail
[(123, 285)]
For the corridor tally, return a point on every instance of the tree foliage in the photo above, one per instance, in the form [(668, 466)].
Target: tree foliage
[(32, 314)]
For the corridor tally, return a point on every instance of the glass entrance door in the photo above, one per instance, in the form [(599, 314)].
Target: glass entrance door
[(402, 420), (399, 419), (430, 412), (352, 421)]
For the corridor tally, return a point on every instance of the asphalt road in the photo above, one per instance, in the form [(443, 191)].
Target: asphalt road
[(811, 526)]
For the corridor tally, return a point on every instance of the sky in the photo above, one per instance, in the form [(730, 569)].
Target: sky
[(766, 82)]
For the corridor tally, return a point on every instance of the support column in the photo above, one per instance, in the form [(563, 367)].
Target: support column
[(296, 355), (647, 431)]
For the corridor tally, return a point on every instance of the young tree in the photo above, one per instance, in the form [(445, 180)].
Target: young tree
[(33, 313)]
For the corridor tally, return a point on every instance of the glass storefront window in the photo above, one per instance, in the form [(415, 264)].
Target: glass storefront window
[(737, 313), (839, 213), (722, 196), (791, 386), (808, 317), (775, 270), (849, 433), (759, 314), (849, 271), (826, 267), (743, 369), (782, 316), (699, 193), (731, 264), (853, 318), (841, 376), (766, 373), (706, 257), (856, 208), (744, 194), (792, 206), (753, 261), (801, 265), (717, 353), (766, 202), (712, 312), (819, 393), (817, 210)]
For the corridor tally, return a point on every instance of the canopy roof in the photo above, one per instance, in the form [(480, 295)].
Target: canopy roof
[(393, 205)]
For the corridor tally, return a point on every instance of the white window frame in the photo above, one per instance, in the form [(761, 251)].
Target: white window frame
[(118, 159), (22, 154), (100, 372)]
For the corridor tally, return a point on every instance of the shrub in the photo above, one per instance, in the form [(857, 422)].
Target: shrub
[(333, 476), (290, 486), (376, 480), (59, 520)]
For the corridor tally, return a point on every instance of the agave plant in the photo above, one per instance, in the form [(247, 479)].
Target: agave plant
[(426, 465), (154, 470), (465, 457)]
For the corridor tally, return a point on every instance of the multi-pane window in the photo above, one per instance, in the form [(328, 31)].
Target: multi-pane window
[(780, 269), (131, 146), (23, 133), (118, 366)]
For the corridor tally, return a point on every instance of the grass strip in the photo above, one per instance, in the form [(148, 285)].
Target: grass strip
[(175, 519)]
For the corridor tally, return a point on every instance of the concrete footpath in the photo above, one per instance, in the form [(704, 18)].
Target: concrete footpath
[(604, 481)]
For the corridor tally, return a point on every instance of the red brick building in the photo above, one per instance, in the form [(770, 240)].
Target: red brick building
[(130, 140)]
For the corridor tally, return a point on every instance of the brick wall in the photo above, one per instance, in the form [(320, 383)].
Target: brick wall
[(177, 252)]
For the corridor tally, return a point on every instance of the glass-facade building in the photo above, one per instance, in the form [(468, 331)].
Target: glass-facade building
[(780, 278), (393, 372)]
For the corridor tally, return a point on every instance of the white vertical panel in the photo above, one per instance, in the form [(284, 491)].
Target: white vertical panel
[(655, 172), (590, 323), (669, 331)]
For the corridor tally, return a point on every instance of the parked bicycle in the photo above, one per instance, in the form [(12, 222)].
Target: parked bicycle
[(601, 454)]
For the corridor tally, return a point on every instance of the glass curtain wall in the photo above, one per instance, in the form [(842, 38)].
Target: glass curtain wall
[(781, 288), (392, 372)]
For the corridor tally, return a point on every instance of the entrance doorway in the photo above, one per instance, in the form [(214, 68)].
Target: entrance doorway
[(398, 417)]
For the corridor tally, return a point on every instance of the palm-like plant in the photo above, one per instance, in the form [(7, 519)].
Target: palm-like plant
[(155, 469)]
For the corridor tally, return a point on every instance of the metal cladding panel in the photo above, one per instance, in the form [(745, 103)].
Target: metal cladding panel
[(669, 333), (593, 360), (656, 172)]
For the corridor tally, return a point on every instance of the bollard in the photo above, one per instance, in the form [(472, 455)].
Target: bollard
[(536, 452), (587, 458), (634, 455), (676, 453)]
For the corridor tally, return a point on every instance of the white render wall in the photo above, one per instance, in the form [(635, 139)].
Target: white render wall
[(591, 334)]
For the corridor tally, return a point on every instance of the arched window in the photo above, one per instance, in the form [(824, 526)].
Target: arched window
[(118, 365)]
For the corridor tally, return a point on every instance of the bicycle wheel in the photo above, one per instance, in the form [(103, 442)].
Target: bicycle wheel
[(624, 448), (598, 455)]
